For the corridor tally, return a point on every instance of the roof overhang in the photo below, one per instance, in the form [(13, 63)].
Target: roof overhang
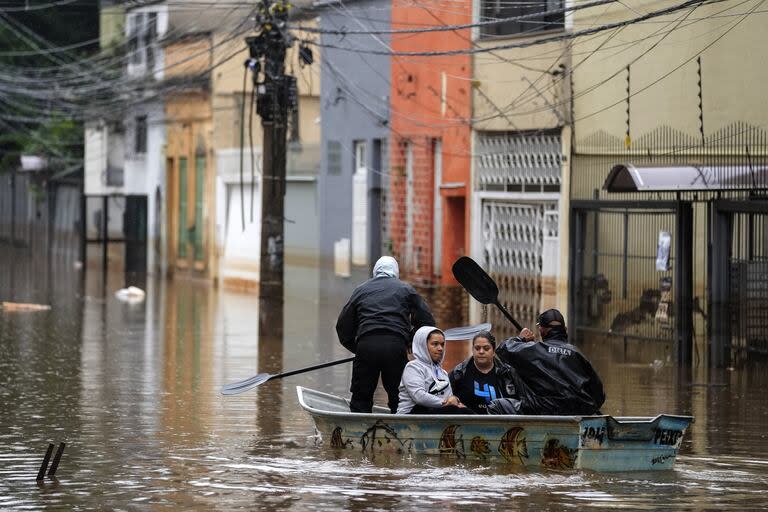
[(631, 178)]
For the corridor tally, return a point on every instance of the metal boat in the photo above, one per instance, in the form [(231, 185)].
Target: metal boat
[(598, 443)]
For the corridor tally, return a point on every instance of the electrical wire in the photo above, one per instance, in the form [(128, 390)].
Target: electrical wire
[(450, 28), (526, 44)]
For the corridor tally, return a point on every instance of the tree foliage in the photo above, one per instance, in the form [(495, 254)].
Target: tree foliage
[(60, 140)]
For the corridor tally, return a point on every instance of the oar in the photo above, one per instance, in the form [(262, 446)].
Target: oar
[(480, 285), (259, 379), (457, 333)]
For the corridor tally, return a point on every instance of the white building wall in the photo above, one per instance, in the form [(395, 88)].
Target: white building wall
[(238, 244), (145, 174), (95, 157)]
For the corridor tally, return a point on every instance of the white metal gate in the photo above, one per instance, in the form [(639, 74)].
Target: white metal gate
[(516, 231), (516, 237)]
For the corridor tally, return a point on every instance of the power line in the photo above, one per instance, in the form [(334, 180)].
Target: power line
[(525, 44), (450, 28)]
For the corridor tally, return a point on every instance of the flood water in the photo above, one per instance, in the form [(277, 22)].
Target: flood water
[(134, 392)]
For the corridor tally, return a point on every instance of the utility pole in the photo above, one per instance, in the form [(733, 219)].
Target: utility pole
[(276, 96)]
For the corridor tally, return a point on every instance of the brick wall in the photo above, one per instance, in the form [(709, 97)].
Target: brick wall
[(449, 304), (416, 262)]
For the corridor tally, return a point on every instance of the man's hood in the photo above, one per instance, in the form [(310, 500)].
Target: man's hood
[(420, 351), (386, 266)]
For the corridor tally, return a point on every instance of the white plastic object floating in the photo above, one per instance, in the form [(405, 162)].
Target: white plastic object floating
[(131, 295)]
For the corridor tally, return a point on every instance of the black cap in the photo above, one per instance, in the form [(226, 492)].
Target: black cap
[(549, 316)]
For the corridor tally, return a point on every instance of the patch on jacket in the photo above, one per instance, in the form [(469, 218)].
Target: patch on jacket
[(559, 350)]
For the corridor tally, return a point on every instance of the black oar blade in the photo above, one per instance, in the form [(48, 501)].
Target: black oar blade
[(474, 279), (243, 386)]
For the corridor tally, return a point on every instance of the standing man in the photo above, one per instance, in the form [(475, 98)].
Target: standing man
[(376, 324), (560, 379), (483, 377)]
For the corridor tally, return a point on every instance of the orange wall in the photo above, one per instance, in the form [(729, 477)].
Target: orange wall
[(430, 99)]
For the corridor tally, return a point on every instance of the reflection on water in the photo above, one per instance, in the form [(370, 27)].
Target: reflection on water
[(134, 391)]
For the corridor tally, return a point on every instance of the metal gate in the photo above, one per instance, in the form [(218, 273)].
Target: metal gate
[(623, 272), (118, 224), (748, 290), (516, 193), (515, 236)]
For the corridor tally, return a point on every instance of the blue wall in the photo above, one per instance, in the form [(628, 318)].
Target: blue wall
[(354, 106)]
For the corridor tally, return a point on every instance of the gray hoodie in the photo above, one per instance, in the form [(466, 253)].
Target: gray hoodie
[(386, 266), (420, 374)]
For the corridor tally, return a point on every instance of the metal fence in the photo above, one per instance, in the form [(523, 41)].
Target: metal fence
[(42, 216), (749, 285), (619, 290)]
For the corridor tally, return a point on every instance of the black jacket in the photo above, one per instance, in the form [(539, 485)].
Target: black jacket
[(558, 378), (506, 376), (382, 304)]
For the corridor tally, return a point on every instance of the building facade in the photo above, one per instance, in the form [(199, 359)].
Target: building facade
[(124, 154), (520, 167), (668, 211), (237, 142), (354, 116), (190, 169), (429, 154)]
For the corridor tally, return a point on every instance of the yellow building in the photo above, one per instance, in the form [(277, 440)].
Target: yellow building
[(238, 215), (213, 223), (669, 145), (189, 151)]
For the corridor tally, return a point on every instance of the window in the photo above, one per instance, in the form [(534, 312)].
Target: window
[(334, 156), (501, 9), (135, 43), (360, 206), (150, 36), (134, 24), (140, 145)]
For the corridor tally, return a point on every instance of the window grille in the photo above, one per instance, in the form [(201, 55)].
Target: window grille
[(501, 9)]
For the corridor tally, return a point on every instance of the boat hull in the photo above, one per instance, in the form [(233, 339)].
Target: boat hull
[(599, 443)]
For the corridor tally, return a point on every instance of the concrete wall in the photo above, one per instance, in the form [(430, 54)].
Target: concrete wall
[(111, 26), (664, 72), (503, 95)]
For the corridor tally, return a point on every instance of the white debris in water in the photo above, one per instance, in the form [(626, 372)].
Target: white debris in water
[(131, 295)]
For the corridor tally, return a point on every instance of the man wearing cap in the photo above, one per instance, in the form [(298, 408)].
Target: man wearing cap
[(376, 324), (560, 380)]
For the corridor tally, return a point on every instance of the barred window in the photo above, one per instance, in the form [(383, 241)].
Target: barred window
[(141, 135), (502, 9), (334, 156)]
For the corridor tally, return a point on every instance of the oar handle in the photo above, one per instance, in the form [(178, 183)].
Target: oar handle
[(509, 317), (310, 368)]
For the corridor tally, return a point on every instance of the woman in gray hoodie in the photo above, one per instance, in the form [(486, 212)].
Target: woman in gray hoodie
[(424, 387)]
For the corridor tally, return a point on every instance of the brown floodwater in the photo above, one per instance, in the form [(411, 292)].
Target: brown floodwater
[(134, 392)]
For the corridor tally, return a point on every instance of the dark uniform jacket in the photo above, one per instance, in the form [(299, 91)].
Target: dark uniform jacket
[(382, 304), (558, 378)]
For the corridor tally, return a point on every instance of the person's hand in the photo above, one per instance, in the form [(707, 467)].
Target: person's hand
[(527, 334), (452, 400)]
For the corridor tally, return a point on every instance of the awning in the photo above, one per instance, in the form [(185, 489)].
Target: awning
[(631, 178)]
